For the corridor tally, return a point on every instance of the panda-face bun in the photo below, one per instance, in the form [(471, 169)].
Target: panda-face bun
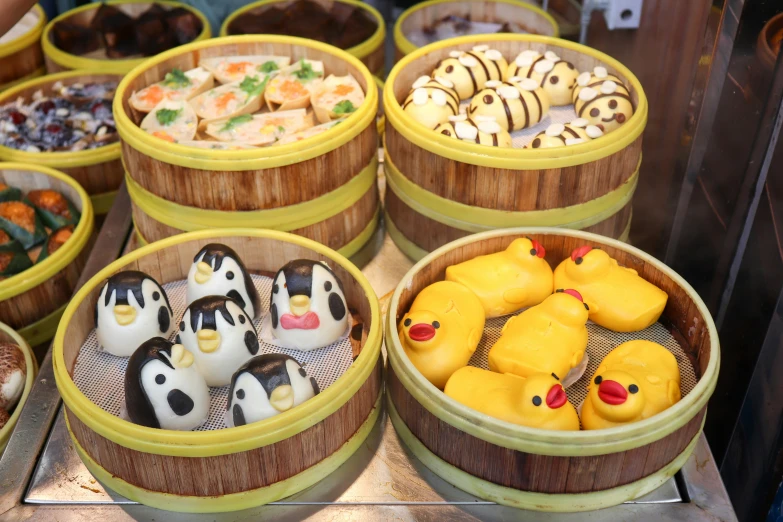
[(602, 99), (163, 388), (470, 70), (565, 135), (132, 308), (485, 131), (556, 76), (265, 386), (308, 307), (431, 101), (516, 104), (218, 270), (220, 335)]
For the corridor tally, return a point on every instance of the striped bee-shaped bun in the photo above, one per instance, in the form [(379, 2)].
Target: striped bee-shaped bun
[(431, 101), (556, 76), (469, 71), (559, 135), (484, 131), (602, 99), (515, 104)]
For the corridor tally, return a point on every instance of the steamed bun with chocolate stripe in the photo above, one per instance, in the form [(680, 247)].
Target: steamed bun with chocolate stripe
[(470, 71), (218, 270), (431, 101), (602, 99), (220, 335), (163, 389), (308, 307), (132, 308), (560, 135), (514, 104), (484, 131), (556, 76), (267, 385)]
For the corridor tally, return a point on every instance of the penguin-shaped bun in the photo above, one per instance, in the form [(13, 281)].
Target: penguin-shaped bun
[(217, 270), (431, 101), (556, 76), (265, 386), (484, 131), (132, 308), (308, 306), (559, 135), (163, 388), (515, 104), (220, 335), (469, 71)]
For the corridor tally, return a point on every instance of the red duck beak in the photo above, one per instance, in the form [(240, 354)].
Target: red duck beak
[(612, 392), (574, 293), (556, 397), (540, 250), (580, 252), (421, 332)]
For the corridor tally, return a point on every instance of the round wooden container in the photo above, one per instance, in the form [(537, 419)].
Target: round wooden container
[(58, 60), (528, 16), (371, 51), (22, 59), (323, 188), (443, 189), (99, 170), (8, 335), (231, 468), (33, 301), (551, 470)]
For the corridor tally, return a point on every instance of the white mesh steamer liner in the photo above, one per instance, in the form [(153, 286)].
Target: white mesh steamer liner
[(101, 376)]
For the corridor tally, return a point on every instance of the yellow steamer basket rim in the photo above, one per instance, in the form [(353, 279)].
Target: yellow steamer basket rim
[(58, 160), (40, 272), (28, 38), (513, 158), (539, 441), (406, 46), (262, 158), (227, 440), (108, 65), (32, 370), (361, 50)]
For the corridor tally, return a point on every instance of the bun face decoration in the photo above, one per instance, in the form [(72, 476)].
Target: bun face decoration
[(131, 309), (560, 135), (172, 121), (308, 306), (617, 298), (637, 380), (515, 104), (13, 373), (537, 402), (602, 99), (549, 338), (441, 330), (556, 76), (218, 270), (507, 281), (265, 386), (485, 131), (469, 71), (163, 388), (431, 101), (220, 335)]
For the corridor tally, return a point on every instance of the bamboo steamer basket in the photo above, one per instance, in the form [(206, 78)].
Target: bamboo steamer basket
[(33, 301), (528, 16), (766, 56), (99, 170), (8, 335), (323, 188), (442, 189), (58, 60), (21, 59), (539, 469), (371, 51), (197, 471)]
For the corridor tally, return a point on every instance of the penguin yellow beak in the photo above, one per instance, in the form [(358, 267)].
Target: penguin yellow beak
[(203, 272), (208, 340), (180, 357), (282, 398), (124, 314), (299, 304)]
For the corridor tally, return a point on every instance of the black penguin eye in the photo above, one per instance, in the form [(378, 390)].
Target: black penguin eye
[(275, 289), (160, 378), (533, 251), (240, 394), (586, 307), (598, 379), (229, 275), (633, 388), (328, 286), (555, 376), (242, 319), (435, 324), (407, 322), (155, 296), (536, 401), (578, 260), (182, 326), (302, 372)]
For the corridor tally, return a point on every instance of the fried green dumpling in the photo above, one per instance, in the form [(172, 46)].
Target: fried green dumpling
[(9, 193), (13, 258), (20, 221), (54, 208)]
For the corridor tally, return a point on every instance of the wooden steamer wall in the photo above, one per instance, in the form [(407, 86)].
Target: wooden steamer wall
[(21, 59)]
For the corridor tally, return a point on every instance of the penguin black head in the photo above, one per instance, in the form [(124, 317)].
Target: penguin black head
[(205, 311), (298, 281), (209, 276), (139, 407)]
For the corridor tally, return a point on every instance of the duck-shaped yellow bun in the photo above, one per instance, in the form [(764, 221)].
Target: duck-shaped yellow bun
[(634, 382), (441, 330), (618, 298), (507, 281), (538, 401), (548, 338)]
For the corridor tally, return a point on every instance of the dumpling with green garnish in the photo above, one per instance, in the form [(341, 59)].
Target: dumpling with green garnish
[(230, 69), (175, 86), (337, 97), (172, 121), (260, 129), (233, 99), (293, 86)]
